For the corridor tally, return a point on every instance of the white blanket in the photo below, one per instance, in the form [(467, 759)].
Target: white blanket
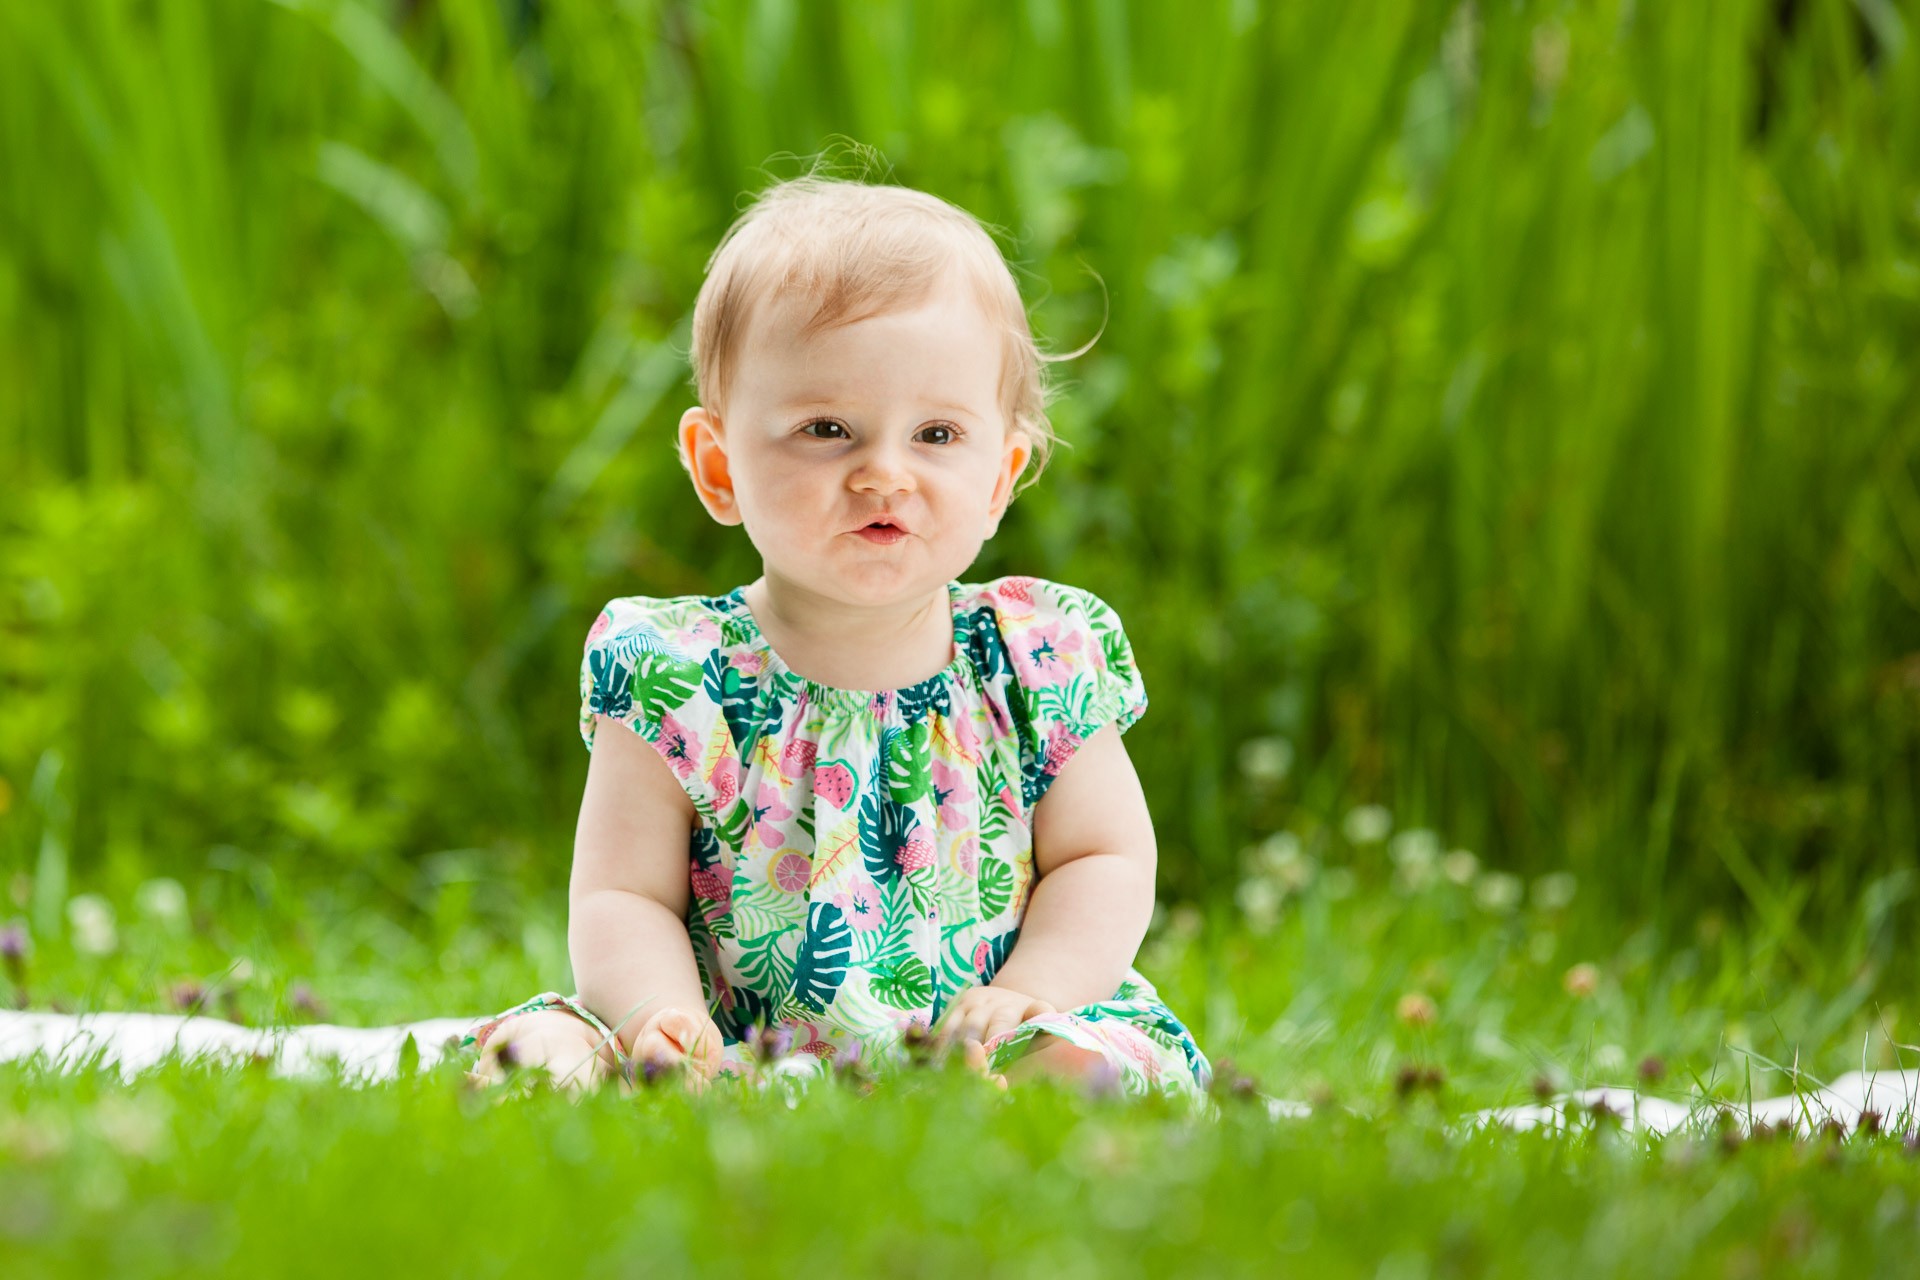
[(136, 1042)]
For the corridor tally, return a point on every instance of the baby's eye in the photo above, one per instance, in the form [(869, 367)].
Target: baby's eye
[(950, 434), (823, 422)]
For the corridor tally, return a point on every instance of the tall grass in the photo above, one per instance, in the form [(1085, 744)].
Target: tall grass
[(1511, 407)]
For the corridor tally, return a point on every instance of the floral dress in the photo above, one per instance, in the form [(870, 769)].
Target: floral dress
[(860, 858)]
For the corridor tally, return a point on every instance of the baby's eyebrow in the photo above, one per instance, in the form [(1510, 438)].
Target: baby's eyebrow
[(814, 401)]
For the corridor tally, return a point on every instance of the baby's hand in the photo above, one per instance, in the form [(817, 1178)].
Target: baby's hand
[(568, 1049), (979, 1014), (673, 1035)]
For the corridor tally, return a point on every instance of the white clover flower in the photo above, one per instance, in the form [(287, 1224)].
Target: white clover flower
[(1460, 867), (1282, 857), (1259, 901), (1337, 883), (1553, 891), (163, 900), (1415, 853), (1368, 824), (1266, 760), (92, 919), (1415, 847), (1497, 892)]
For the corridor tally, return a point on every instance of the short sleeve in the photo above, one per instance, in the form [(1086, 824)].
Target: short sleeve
[(1073, 673), (644, 665)]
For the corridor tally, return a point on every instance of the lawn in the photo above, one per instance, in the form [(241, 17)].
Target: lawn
[(1397, 1006)]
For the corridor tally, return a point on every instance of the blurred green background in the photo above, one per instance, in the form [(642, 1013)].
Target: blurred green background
[(1505, 433)]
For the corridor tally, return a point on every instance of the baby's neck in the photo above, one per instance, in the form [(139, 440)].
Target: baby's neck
[(845, 646)]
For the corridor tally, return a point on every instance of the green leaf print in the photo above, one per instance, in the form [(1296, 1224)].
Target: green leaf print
[(956, 956), (883, 829), (660, 683), (909, 762), (1071, 703), (905, 984), (995, 817), (996, 886), (893, 938), (733, 824), (920, 892), (759, 909), (821, 966), (766, 963)]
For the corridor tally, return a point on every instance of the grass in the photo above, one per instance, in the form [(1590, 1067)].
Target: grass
[(231, 1170), (237, 1173)]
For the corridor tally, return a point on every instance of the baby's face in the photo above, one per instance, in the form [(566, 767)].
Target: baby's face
[(897, 414)]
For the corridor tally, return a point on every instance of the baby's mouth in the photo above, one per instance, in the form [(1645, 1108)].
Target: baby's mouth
[(883, 530)]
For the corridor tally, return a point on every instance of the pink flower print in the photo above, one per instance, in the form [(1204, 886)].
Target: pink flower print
[(966, 738), (768, 814), (950, 795), (967, 855), (600, 625), (1047, 654), (797, 757), (860, 904), (725, 780), (1062, 742), (748, 663), (675, 745), (917, 852), (790, 872), (881, 701), (1002, 727)]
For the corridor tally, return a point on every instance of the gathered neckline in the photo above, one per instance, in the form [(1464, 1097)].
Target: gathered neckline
[(858, 699)]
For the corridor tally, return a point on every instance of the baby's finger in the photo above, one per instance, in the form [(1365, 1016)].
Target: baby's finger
[(654, 1045), (577, 1073), (700, 1038), (970, 1019), (999, 1025), (976, 1056)]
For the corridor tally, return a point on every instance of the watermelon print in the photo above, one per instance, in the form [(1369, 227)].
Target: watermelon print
[(922, 799)]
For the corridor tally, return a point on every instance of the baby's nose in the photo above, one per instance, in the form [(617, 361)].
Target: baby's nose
[(883, 471)]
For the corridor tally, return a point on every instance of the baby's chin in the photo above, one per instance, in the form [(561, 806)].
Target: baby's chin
[(873, 580)]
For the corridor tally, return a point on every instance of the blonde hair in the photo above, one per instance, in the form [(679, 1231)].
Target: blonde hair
[(857, 250)]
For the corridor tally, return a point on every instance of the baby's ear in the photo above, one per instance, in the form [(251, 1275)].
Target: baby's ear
[(1013, 461), (703, 452)]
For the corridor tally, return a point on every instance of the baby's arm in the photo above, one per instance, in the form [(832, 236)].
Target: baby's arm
[(1094, 852), (627, 902)]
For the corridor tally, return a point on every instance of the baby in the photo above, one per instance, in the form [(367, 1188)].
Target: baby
[(857, 803)]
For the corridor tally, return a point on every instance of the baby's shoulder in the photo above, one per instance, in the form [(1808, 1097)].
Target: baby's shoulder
[(687, 628), (1023, 602)]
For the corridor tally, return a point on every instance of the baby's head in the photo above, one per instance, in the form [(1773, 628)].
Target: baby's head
[(862, 350)]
